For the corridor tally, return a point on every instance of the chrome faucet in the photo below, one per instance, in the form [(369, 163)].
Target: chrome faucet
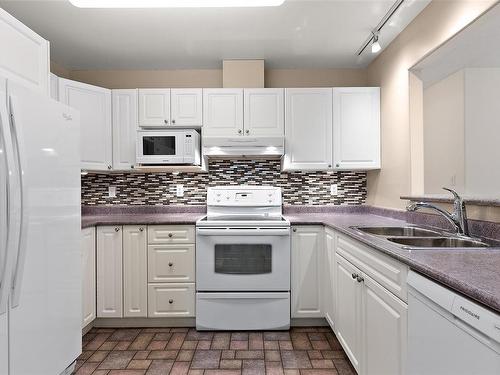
[(458, 218)]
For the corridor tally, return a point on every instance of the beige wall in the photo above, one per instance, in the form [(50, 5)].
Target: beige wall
[(123, 79), (444, 132), (315, 77), (59, 70), (130, 79), (438, 22)]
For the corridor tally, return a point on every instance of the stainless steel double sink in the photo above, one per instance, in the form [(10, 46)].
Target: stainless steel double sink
[(414, 237)]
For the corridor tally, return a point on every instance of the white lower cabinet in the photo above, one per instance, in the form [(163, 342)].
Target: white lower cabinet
[(109, 272), (370, 320), (329, 277), (359, 291), (348, 313), (88, 276), (135, 269), (142, 271), (171, 300), (171, 271), (384, 318), (171, 263), (307, 263)]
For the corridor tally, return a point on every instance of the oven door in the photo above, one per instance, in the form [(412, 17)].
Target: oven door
[(161, 147), (243, 259)]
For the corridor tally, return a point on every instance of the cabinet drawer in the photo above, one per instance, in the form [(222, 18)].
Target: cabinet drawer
[(160, 234), (171, 263), (171, 300), (387, 271)]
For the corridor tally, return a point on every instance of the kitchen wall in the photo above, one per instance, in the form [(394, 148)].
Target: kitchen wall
[(125, 79), (439, 21), (299, 188), (444, 132)]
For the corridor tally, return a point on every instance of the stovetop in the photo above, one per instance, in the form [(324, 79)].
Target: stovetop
[(242, 221), (244, 206)]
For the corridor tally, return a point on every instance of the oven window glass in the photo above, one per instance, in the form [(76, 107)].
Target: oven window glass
[(246, 259), (164, 145)]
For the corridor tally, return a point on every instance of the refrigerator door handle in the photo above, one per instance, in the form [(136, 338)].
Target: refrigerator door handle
[(17, 138), (5, 271)]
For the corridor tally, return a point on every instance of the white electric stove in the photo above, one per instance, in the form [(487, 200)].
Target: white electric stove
[(243, 260)]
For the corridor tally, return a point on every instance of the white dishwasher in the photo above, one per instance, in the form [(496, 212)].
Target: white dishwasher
[(449, 334)]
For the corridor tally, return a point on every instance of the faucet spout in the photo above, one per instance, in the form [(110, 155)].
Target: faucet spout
[(458, 218)]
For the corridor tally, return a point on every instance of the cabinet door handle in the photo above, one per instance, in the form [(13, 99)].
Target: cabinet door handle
[(170, 301), (294, 229), (109, 167), (329, 165), (173, 121), (247, 131), (354, 275), (170, 235), (117, 229), (240, 131), (141, 229), (170, 264), (360, 279), (166, 122)]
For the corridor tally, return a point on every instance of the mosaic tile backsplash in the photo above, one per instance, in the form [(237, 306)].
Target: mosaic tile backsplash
[(299, 188)]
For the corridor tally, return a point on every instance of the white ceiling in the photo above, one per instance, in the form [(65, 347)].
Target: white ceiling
[(299, 34)]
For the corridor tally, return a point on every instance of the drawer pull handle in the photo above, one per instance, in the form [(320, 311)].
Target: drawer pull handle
[(360, 279), (170, 301), (170, 264), (170, 235), (354, 275)]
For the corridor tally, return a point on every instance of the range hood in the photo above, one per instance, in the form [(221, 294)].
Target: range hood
[(243, 146)]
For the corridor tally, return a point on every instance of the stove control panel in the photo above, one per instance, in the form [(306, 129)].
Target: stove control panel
[(249, 196)]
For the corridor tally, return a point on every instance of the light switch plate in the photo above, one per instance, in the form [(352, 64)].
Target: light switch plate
[(334, 190)]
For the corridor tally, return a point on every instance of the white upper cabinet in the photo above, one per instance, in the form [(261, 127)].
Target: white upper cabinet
[(25, 54), (308, 129), (154, 107), (124, 128), (222, 112), (94, 104), (356, 128), (264, 112), (186, 107), (54, 86)]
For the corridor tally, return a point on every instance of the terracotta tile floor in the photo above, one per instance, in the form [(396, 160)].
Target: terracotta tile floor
[(180, 351)]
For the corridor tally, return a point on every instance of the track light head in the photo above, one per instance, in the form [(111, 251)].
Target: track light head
[(375, 43)]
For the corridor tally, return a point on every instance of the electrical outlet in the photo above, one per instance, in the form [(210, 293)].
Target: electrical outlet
[(179, 190), (111, 191), (334, 190)]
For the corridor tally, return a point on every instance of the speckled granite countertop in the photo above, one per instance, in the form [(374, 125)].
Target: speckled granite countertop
[(472, 272)]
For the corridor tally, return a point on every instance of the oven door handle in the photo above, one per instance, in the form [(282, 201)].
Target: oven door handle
[(243, 231)]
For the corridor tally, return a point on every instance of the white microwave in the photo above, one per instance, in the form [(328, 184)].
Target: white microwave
[(173, 146)]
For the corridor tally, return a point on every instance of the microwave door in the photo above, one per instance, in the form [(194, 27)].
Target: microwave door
[(162, 149)]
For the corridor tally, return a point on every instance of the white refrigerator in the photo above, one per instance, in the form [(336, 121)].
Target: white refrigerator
[(40, 259)]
